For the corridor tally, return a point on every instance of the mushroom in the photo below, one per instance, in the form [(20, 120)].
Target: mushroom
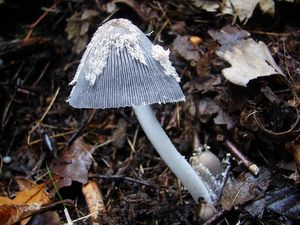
[(122, 68)]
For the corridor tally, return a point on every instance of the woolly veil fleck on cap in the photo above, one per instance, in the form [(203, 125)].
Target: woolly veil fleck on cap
[(121, 67)]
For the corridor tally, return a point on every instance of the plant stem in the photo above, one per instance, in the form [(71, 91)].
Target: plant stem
[(176, 162)]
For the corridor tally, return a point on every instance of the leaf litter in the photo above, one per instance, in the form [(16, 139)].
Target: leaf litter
[(74, 163), (27, 202), (249, 59), (258, 112)]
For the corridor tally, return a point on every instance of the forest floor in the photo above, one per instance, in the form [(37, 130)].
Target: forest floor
[(56, 160)]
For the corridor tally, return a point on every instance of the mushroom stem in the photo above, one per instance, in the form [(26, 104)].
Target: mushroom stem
[(176, 162)]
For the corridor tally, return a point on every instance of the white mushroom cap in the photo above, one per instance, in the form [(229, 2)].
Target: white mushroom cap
[(121, 67)]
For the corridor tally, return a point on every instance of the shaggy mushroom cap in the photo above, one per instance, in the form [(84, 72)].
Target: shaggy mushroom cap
[(121, 67)]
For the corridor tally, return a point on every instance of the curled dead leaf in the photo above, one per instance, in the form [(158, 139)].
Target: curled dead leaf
[(26, 203), (74, 163), (11, 213)]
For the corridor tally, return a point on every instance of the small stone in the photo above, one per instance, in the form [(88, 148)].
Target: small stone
[(7, 159)]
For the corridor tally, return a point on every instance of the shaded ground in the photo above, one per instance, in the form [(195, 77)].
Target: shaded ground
[(40, 47)]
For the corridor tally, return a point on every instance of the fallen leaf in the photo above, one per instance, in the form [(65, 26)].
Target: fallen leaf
[(25, 184), (228, 34), (36, 195), (205, 65), (206, 108), (25, 204), (207, 5), (244, 9), (11, 213), (74, 163), (185, 48), (178, 28), (245, 188), (223, 118), (286, 202), (207, 83), (249, 59), (267, 6), (257, 208), (77, 29)]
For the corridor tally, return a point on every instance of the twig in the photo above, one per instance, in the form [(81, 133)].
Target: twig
[(120, 177), (42, 74), (82, 127), (41, 17), (295, 33), (43, 117), (94, 199), (253, 168), (52, 136), (84, 217)]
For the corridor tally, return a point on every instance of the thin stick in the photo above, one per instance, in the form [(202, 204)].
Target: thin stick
[(82, 127), (120, 177), (295, 33), (43, 117), (253, 168)]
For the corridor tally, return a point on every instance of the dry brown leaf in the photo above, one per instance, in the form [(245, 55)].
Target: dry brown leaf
[(228, 34), (94, 199), (223, 118), (77, 29), (206, 108), (74, 163), (25, 184), (25, 203), (36, 194), (186, 49), (11, 213), (245, 188)]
